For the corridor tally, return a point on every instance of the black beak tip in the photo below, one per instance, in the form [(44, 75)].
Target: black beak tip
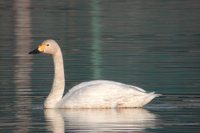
[(35, 51)]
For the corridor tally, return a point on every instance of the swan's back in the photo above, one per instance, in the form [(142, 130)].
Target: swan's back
[(105, 94)]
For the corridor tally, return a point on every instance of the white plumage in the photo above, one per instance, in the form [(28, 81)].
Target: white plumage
[(105, 94), (92, 94)]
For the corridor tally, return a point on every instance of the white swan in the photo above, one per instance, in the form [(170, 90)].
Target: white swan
[(92, 94)]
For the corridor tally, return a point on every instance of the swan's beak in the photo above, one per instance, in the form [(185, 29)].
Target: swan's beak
[(35, 51), (38, 50)]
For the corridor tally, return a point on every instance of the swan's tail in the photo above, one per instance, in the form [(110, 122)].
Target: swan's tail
[(150, 97), (135, 101), (156, 95)]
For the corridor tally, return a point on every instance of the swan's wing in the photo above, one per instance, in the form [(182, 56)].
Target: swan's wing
[(136, 88), (103, 94), (101, 82), (81, 85)]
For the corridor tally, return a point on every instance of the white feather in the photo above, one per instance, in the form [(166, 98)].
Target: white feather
[(92, 94)]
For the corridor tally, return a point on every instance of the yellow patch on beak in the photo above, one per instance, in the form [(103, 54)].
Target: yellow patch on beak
[(41, 48)]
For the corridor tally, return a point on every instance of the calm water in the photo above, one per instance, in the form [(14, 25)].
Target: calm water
[(153, 44)]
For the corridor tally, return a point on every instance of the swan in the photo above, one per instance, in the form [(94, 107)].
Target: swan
[(91, 94)]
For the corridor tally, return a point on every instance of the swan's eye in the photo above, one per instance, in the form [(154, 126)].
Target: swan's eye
[(47, 44)]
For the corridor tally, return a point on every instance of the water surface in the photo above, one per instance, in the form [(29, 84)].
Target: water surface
[(150, 44)]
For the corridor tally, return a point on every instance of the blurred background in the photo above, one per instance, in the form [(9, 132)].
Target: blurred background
[(152, 44)]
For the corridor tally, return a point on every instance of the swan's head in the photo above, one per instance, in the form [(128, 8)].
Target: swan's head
[(47, 47)]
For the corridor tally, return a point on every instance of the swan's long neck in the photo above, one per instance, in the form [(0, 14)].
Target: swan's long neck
[(58, 83)]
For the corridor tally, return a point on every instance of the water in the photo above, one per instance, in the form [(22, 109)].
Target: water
[(151, 44)]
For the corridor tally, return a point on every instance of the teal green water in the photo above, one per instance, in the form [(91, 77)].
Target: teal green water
[(151, 44)]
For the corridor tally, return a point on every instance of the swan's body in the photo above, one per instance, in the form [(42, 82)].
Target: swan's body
[(105, 94), (92, 94)]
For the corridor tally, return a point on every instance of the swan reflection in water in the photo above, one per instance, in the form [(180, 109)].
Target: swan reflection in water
[(99, 120)]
